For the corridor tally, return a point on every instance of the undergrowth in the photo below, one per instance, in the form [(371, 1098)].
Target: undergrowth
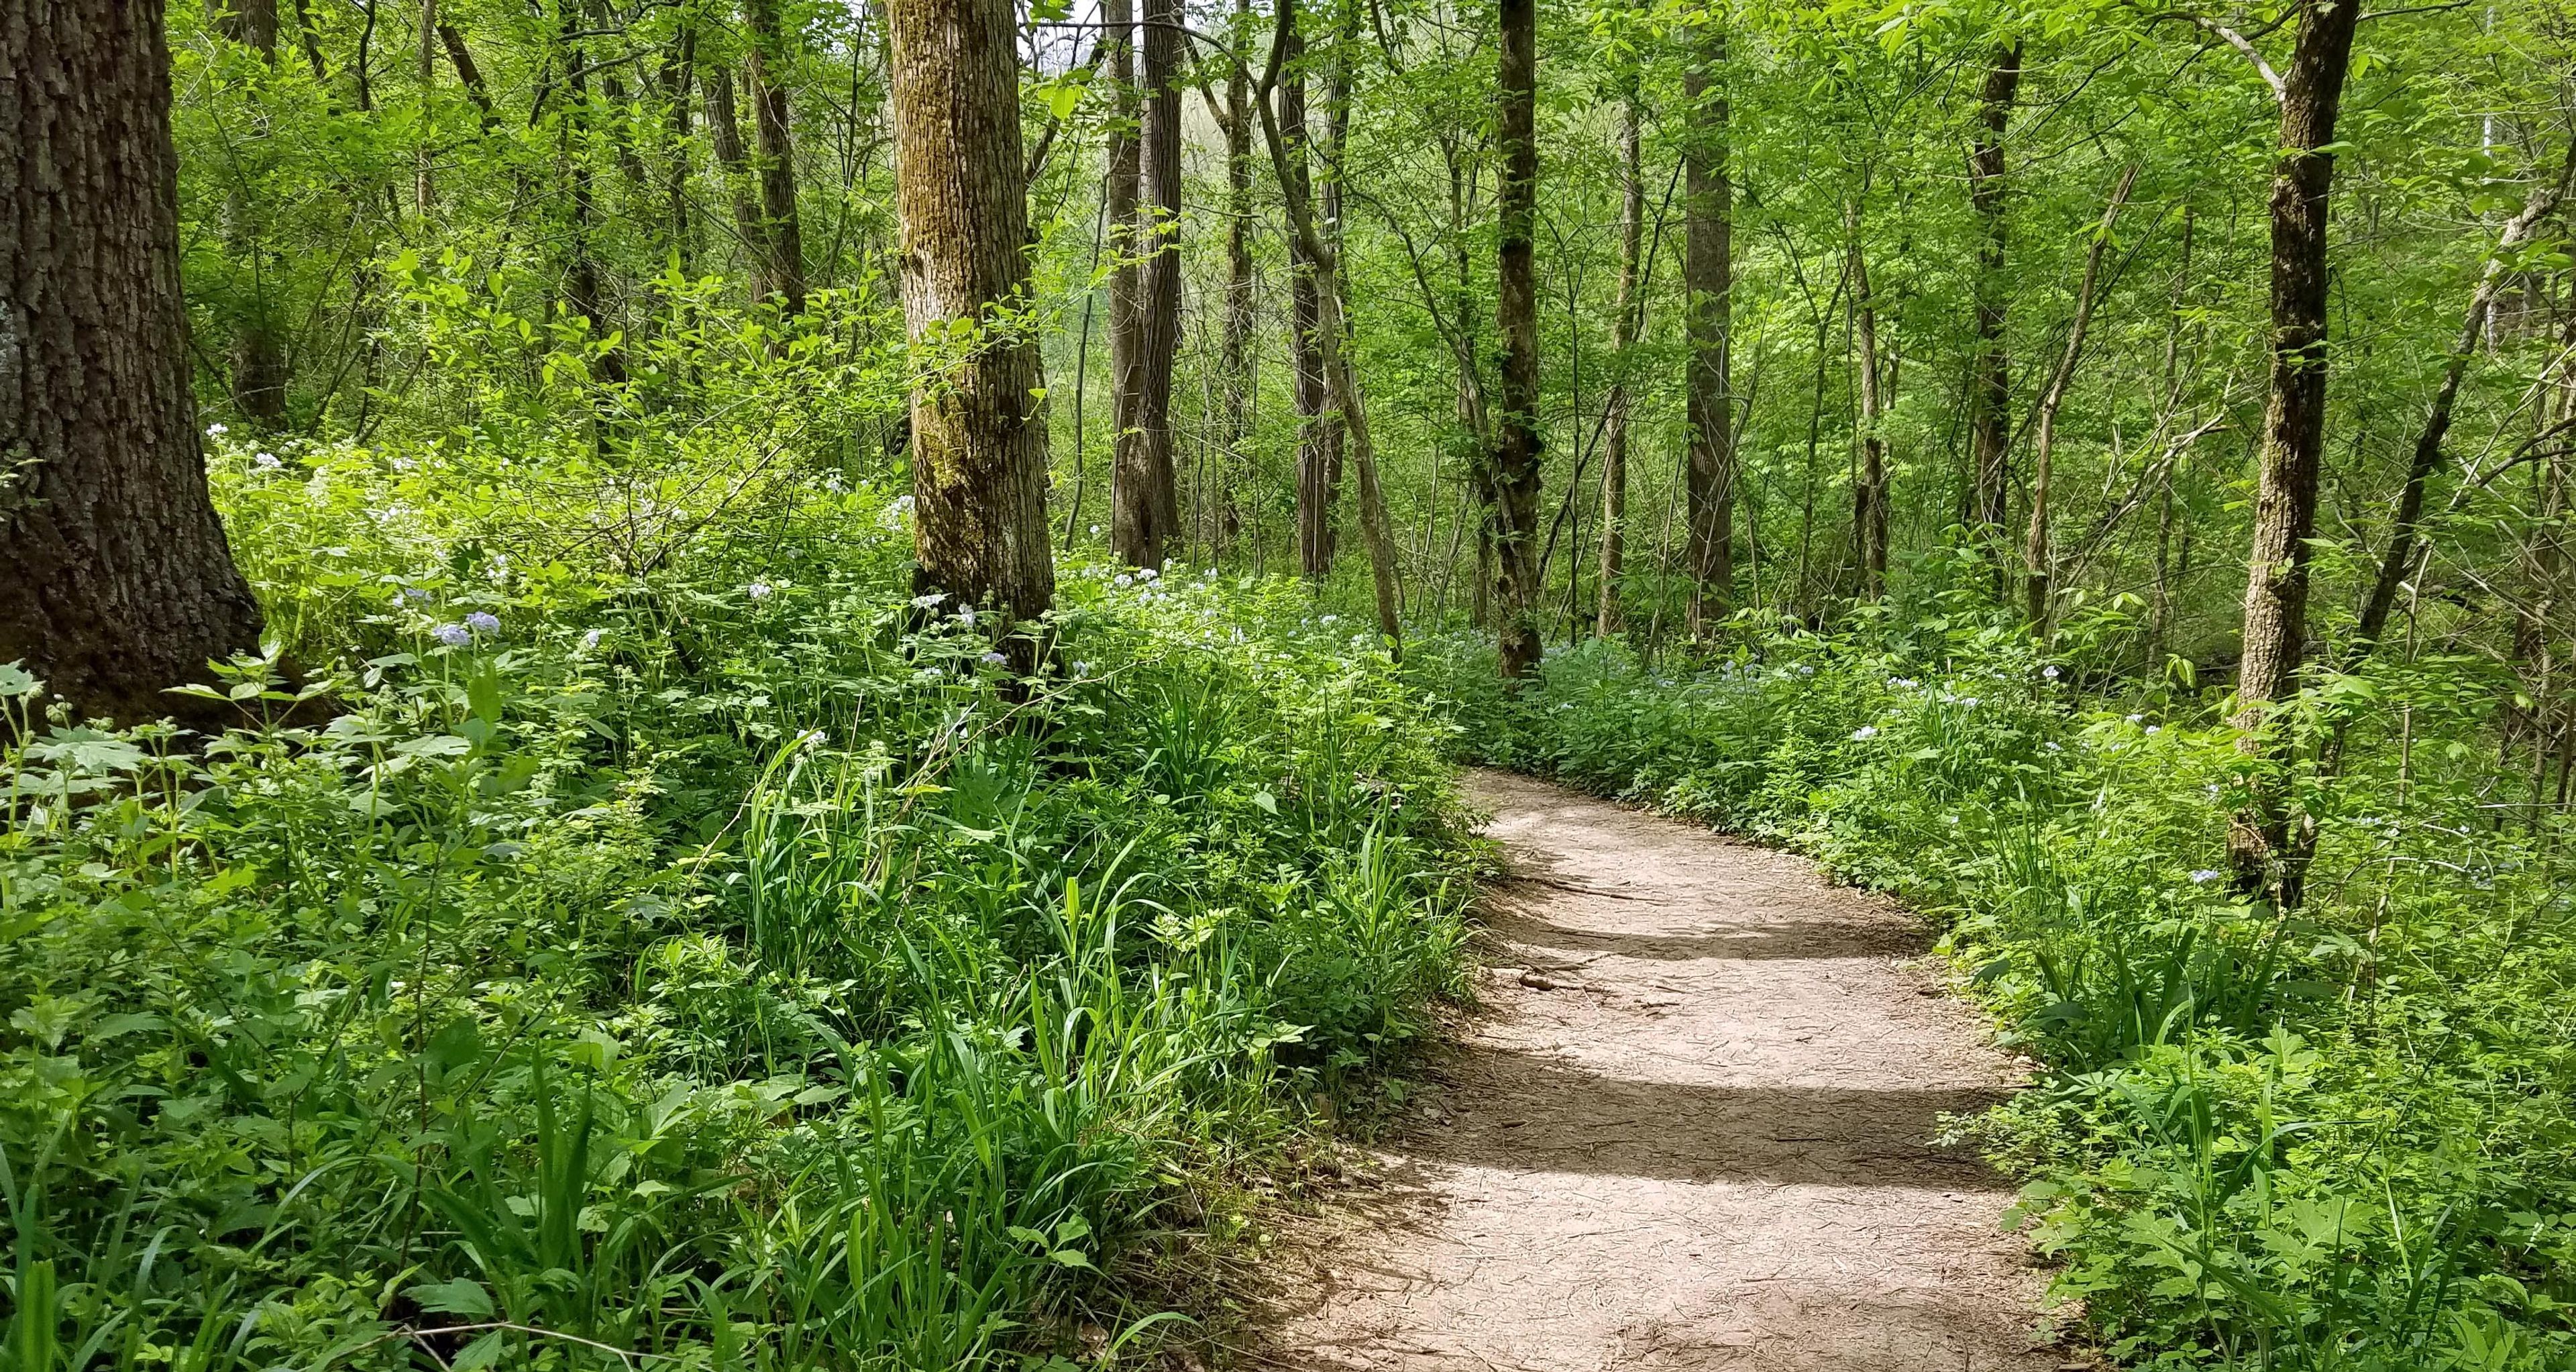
[(2340, 1139), (692, 953)]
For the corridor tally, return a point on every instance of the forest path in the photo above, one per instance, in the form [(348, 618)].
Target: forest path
[(1691, 1130)]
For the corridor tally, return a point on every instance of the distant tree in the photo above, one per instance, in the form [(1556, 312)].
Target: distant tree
[(1513, 478), (115, 579)]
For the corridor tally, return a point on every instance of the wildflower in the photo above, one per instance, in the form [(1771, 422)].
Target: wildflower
[(758, 590), (1123, 580), (1864, 733), (2205, 876), (966, 615), (2137, 719), (2154, 729), (591, 639), (453, 635), (832, 482), (2049, 671), (992, 659), (930, 601), (810, 740), (266, 462), (415, 594), (1081, 668), (214, 431), (1330, 620), (1146, 574), (1967, 702), (1095, 531), (482, 622), (903, 504), (2053, 746), (1902, 683)]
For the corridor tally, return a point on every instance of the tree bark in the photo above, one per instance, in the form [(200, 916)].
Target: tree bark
[(1990, 366), (1869, 493), (2036, 554), (257, 365), (733, 166), (1239, 300), (1144, 518), (1513, 481), (115, 578), (1708, 279), (2403, 533), (1623, 338), (979, 438), (2285, 501), (782, 234)]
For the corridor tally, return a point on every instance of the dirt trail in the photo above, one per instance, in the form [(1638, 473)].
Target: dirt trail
[(1693, 1131)]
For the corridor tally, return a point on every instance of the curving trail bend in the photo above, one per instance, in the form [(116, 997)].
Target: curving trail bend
[(1692, 1130)]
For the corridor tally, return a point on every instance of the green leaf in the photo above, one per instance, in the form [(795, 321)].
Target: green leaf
[(462, 1296)]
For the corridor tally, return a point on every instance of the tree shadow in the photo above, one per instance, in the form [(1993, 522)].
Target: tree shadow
[(1770, 939), (1532, 1114)]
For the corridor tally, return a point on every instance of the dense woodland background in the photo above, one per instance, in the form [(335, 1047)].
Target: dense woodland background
[(1847, 423)]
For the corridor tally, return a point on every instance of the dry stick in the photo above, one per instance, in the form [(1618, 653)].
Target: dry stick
[(2437, 422), (2035, 556)]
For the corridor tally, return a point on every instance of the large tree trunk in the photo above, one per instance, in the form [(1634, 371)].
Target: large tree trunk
[(2037, 557), (1145, 517), (782, 235), (2402, 535), (1319, 428), (1989, 368), (1623, 338), (1708, 279), (1869, 493), (1513, 481), (1121, 186), (979, 438), (1239, 300), (2285, 500), (115, 580)]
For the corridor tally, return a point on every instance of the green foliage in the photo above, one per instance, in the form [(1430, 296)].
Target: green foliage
[(716, 959), (2334, 1139)]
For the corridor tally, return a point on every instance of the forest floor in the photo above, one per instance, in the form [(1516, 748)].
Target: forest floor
[(1693, 1127)]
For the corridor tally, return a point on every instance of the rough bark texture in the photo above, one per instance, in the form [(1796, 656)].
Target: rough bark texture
[(115, 579), (2037, 557), (1144, 517), (2285, 500), (1990, 367), (1869, 494), (1513, 481), (1319, 430), (1614, 436), (782, 235), (979, 454), (1708, 277), (1239, 298)]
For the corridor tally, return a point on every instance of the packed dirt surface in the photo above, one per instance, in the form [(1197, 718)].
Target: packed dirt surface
[(1694, 1129)]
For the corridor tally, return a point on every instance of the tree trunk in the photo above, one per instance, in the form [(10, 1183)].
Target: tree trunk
[(782, 236), (2285, 501), (1989, 368), (2402, 534), (1319, 429), (115, 579), (1239, 300), (1623, 338), (979, 436), (733, 165), (257, 365), (2036, 554), (1708, 280), (1329, 335), (1869, 493), (1513, 481), (1145, 518)]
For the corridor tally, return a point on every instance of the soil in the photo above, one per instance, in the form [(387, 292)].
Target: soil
[(1694, 1127)]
